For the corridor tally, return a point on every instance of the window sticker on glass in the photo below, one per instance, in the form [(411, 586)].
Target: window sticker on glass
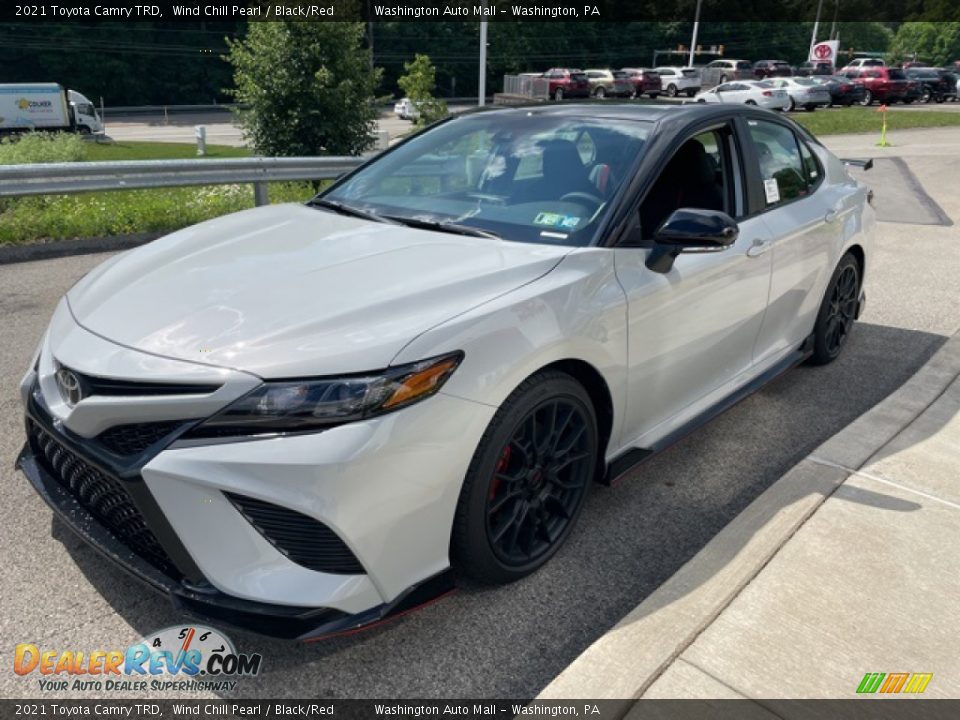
[(567, 222), (772, 190)]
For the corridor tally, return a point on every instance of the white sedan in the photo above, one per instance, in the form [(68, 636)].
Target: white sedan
[(406, 109), (300, 418), (803, 92), (746, 92)]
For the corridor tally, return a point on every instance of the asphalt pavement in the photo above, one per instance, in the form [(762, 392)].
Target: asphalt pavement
[(509, 641)]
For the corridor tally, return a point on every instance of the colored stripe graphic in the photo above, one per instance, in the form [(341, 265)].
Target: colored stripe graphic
[(893, 683)]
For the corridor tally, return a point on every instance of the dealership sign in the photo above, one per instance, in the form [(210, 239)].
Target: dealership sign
[(825, 52)]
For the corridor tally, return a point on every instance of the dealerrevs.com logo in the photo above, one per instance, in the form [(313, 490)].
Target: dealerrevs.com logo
[(182, 658)]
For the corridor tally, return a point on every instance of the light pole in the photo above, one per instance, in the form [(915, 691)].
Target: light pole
[(482, 90), (696, 29), (816, 26)]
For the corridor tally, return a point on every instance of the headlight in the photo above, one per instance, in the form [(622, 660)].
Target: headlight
[(303, 405)]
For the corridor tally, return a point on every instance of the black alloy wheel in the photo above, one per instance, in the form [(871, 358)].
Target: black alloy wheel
[(671, 90), (528, 480), (837, 311), (539, 481)]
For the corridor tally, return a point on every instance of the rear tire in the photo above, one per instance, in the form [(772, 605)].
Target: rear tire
[(792, 105), (527, 482), (601, 93), (558, 94), (837, 311)]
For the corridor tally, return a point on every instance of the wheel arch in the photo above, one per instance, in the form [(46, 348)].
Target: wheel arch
[(599, 391)]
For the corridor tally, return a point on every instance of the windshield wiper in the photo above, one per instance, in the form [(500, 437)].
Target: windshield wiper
[(350, 210), (442, 226)]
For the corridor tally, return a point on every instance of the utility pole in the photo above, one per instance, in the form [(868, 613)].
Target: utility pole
[(833, 27), (816, 26), (696, 29), (482, 90)]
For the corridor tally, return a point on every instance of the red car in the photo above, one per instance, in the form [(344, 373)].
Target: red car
[(886, 85), (645, 82), (567, 83)]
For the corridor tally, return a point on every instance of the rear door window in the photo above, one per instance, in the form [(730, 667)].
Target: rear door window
[(782, 168)]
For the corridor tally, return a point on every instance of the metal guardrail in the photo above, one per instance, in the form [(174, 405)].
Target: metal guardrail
[(69, 178)]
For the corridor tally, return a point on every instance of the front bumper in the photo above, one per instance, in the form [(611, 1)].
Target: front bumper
[(387, 486)]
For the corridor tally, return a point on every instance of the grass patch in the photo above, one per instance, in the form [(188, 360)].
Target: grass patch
[(158, 151), (867, 120), (62, 217)]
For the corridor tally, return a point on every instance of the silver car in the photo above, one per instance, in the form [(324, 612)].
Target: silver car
[(300, 418), (721, 71), (802, 92)]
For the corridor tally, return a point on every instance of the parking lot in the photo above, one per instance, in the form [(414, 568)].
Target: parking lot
[(510, 641)]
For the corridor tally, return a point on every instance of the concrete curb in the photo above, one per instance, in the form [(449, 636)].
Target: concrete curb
[(626, 660), (63, 248)]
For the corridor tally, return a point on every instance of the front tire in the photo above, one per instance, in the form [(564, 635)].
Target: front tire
[(558, 94), (671, 90), (837, 311), (867, 99), (601, 93), (527, 482)]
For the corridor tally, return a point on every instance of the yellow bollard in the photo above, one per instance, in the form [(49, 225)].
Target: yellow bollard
[(883, 129)]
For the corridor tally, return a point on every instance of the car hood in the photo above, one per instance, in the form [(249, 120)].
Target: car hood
[(293, 291)]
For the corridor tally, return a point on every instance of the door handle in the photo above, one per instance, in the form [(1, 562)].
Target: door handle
[(759, 247), (831, 216)]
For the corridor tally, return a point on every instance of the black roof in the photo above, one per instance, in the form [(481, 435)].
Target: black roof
[(648, 112)]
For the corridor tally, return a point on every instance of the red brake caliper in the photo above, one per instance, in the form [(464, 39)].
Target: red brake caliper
[(502, 464)]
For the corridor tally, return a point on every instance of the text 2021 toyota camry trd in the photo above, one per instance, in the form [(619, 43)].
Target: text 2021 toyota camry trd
[(299, 418)]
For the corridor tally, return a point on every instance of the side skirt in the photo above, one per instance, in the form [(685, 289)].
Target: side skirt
[(626, 461)]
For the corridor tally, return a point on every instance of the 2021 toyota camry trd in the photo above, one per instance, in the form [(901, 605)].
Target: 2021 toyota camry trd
[(299, 418)]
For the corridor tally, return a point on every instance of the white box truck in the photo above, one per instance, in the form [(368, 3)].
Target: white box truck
[(46, 107)]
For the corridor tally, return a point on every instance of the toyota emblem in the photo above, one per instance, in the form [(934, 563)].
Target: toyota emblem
[(69, 384)]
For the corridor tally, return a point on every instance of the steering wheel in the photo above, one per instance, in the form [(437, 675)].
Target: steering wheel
[(581, 196)]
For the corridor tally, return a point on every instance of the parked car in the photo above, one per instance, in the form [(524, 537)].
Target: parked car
[(803, 92), (953, 81), (645, 81), (772, 68), (843, 91), (746, 92), (300, 418), (605, 83), (679, 80), (883, 84), (720, 71), (810, 69), (860, 63), (567, 83), (934, 83), (405, 109), (914, 64)]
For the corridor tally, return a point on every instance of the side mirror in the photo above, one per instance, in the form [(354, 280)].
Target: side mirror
[(691, 230)]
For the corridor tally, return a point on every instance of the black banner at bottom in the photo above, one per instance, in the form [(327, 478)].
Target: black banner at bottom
[(879, 708)]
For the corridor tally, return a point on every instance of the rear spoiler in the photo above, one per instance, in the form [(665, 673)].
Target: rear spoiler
[(863, 164)]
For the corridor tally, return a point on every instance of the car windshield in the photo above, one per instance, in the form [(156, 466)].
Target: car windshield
[(895, 74), (804, 81), (523, 176)]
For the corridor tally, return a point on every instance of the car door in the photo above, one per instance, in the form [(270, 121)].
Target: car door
[(691, 329), (804, 219), (726, 93)]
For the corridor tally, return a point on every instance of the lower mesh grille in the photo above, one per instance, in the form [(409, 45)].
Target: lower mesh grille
[(101, 495), (305, 540), (134, 439)]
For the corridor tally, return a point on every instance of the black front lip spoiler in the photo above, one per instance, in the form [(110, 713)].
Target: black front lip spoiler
[(206, 603)]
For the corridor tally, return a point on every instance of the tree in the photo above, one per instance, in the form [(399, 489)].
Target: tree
[(418, 83), (308, 88), (935, 42)]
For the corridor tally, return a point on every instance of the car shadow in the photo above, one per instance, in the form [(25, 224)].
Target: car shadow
[(511, 641)]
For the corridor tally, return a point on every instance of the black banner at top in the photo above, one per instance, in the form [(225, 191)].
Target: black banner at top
[(477, 10)]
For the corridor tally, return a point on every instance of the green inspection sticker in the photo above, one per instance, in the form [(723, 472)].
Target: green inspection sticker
[(567, 222)]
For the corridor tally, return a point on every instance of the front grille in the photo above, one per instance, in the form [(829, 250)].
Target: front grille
[(305, 540), (134, 439), (103, 496), (94, 385)]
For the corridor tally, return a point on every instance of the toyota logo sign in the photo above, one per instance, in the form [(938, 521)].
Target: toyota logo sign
[(823, 52), (69, 385)]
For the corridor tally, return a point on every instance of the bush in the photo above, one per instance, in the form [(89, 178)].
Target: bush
[(308, 87), (42, 148), (419, 83)]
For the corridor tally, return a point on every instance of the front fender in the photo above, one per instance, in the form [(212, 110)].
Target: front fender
[(575, 312)]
